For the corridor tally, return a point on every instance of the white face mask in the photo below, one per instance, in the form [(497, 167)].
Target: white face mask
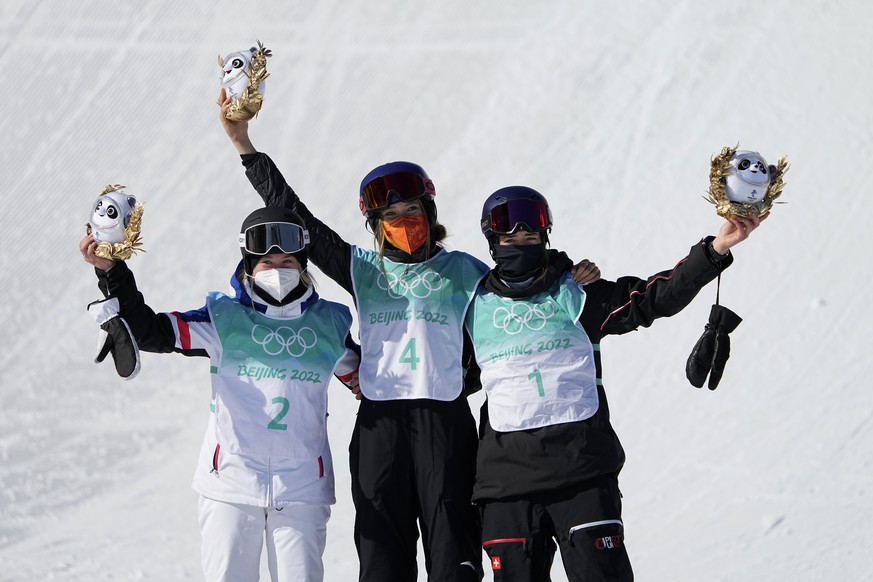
[(277, 283)]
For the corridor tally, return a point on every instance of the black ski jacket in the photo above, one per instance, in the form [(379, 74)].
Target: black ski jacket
[(559, 457)]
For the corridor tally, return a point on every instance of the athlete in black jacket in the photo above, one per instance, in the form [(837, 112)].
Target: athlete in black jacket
[(548, 457)]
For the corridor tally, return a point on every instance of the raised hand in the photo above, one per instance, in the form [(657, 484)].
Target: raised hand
[(735, 230), (237, 131), (88, 246)]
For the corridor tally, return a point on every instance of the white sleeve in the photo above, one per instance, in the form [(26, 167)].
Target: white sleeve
[(348, 363), (193, 334)]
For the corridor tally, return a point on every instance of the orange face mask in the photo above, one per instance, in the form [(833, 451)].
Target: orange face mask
[(407, 233)]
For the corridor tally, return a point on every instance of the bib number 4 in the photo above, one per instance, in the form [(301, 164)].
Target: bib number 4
[(409, 356)]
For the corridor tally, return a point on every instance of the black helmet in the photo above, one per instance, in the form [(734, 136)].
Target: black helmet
[(514, 207), (273, 229)]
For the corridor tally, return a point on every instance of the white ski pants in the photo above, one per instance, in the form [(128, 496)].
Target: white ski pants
[(232, 536)]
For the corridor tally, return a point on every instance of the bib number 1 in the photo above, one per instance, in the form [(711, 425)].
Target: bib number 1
[(535, 375), (408, 356)]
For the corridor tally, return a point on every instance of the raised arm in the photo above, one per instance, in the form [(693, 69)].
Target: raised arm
[(328, 251), (153, 331), (237, 131), (630, 302)]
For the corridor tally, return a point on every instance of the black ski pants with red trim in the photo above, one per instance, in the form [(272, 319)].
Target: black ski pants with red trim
[(413, 465), (519, 535)]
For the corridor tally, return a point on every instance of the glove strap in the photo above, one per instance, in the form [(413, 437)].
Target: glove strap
[(717, 288)]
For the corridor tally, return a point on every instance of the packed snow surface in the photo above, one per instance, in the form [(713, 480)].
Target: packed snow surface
[(612, 110)]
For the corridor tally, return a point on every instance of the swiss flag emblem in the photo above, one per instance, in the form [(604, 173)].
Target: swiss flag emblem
[(495, 563)]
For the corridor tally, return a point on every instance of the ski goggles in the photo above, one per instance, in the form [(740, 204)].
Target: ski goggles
[(507, 218), (397, 187), (288, 237)]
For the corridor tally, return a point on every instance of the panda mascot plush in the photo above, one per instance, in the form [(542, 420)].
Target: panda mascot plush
[(741, 182), (242, 77), (115, 222)]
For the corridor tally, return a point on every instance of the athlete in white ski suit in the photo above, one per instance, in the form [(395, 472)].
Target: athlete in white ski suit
[(265, 467)]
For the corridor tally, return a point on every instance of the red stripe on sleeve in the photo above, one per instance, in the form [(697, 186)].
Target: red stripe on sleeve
[(637, 293), (184, 331)]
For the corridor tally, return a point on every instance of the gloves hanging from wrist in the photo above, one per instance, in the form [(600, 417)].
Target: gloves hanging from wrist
[(115, 338), (711, 352)]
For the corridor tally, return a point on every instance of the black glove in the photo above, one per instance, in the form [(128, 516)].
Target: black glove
[(115, 338), (711, 352)]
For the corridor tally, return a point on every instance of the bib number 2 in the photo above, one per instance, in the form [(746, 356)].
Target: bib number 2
[(408, 356), (276, 423)]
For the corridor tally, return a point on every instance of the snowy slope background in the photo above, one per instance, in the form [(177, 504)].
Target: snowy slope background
[(612, 110)]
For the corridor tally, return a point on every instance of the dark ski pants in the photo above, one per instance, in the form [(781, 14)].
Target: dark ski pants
[(414, 460), (519, 535)]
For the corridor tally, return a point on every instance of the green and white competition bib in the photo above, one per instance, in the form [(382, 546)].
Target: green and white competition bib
[(411, 318), (271, 389), (537, 362)]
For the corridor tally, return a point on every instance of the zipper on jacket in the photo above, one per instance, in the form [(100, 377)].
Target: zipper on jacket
[(320, 467), (271, 500)]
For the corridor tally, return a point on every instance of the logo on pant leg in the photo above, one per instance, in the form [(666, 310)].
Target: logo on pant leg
[(608, 542), (495, 563)]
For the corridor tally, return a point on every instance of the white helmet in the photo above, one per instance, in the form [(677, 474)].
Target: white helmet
[(748, 178)]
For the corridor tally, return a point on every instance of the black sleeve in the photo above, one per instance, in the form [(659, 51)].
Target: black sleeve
[(472, 372), (327, 250), (153, 331), (628, 303)]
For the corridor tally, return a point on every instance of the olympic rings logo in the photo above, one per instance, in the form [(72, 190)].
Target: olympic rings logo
[(284, 338), (522, 315), (412, 284)]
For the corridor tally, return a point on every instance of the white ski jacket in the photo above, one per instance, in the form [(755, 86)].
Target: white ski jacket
[(266, 439)]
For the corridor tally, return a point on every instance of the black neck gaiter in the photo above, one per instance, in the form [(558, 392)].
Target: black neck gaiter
[(558, 264), (520, 262)]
